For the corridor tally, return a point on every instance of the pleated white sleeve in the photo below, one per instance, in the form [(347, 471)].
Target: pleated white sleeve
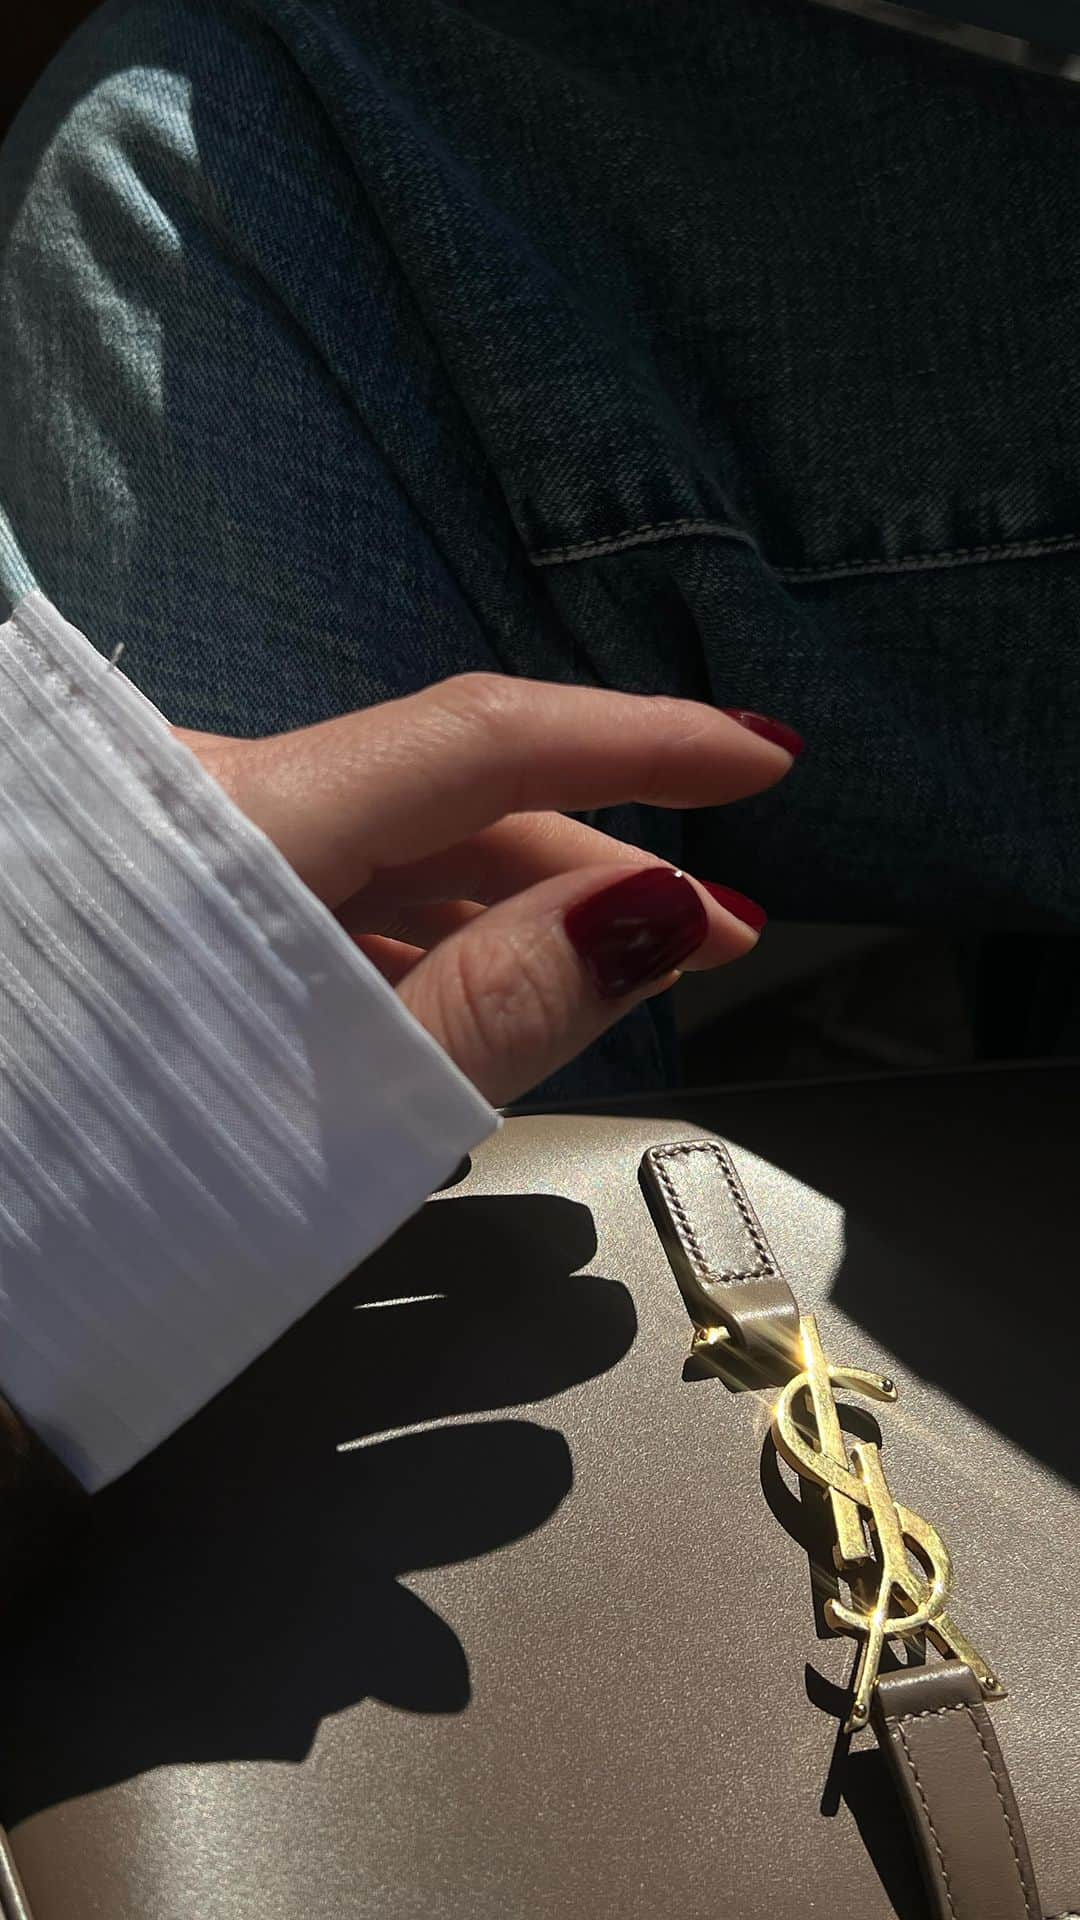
[(212, 1106)]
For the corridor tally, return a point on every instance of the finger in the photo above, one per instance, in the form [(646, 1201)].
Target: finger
[(420, 902), (398, 782), (502, 859), (419, 924), (424, 923), (526, 985), (394, 958)]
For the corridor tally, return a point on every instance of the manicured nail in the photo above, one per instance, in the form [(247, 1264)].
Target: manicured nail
[(745, 910), (637, 930), (774, 730)]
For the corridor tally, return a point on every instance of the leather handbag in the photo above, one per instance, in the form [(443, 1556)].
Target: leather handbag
[(677, 1519)]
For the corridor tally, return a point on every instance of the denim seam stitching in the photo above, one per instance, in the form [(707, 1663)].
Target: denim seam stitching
[(641, 536), (948, 557), (830, 570)]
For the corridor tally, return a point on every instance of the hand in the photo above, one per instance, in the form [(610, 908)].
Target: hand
[(513, 934)]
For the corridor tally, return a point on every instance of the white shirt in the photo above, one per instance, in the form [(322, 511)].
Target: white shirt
[(212, 1106)]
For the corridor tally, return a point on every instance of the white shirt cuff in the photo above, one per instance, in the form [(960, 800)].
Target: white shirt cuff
[(212, 1106)]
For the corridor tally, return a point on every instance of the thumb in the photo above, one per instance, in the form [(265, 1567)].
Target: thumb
[(522, 988)]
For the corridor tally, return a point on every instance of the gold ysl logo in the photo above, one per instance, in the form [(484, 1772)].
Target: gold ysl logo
[(859, 1494)]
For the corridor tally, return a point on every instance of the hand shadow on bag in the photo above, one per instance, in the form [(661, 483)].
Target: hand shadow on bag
[(245, 1580)]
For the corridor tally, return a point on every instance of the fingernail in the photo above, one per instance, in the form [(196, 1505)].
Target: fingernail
[(743, 908), (637, 930), (774, 730)]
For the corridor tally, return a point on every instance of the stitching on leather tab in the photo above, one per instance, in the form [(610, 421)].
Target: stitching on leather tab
[(767, 1270), (928, 1713), (902, 1736), (682, 1218), (965, 1706), (1029, 1897)]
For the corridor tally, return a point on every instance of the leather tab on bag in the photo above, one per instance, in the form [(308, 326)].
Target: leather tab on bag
[(938, 1740), (726, 1270)]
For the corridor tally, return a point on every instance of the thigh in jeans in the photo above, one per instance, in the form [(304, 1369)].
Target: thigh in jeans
[(199, 323)]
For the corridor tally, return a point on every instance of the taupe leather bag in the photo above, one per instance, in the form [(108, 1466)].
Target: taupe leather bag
[(473, 1600)]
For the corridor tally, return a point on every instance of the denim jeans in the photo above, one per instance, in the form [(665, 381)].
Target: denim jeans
[(728, 351)]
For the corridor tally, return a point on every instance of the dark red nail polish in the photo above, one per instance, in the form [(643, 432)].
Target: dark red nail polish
[(637, 930), (774, 730), (744, 909)]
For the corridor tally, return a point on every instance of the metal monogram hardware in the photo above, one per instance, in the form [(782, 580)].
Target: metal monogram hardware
[(874, 1535)]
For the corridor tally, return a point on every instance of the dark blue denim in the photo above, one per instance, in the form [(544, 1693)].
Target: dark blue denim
[(728, 350)]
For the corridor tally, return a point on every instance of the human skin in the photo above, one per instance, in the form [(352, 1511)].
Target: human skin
[(434, 828)]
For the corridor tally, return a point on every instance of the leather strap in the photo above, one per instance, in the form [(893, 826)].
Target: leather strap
[(726, 1270), (945, 1759)]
